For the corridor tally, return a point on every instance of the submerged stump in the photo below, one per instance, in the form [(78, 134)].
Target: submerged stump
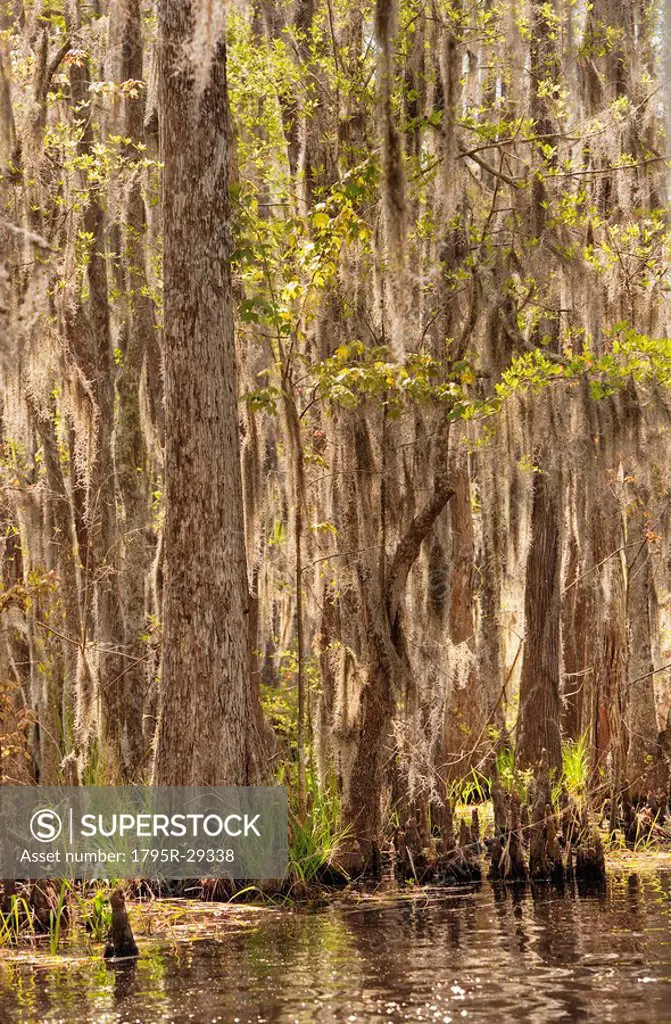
[(590, 864)]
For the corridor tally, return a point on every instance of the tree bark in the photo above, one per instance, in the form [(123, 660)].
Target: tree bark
[(465, 713), (205, 731), (578, 611), (135, 344), (539, 725), (645, 771)]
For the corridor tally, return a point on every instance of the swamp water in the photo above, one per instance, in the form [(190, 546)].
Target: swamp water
[(477, 955)]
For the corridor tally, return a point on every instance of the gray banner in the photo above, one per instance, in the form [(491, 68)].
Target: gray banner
[(88, 832)]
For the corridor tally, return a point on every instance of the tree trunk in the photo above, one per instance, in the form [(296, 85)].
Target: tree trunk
[(465, 712), (539, 725), (645, 773), (206, 720), (577, 612), (135, 342), (89, 334)]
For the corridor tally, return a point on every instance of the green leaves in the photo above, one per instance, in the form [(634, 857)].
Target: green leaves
[(320, 220), (356, 373), (263, 399)]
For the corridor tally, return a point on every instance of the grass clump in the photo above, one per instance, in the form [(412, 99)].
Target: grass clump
[(575, 767), (316, 841)]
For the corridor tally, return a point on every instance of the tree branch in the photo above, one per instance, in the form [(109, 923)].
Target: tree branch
[(409, 546), (46, 69), (486, 166)]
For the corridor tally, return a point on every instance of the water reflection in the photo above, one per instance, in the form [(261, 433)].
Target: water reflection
[(125, 982), (529, 954)]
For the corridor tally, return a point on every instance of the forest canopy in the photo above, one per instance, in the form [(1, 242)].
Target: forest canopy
[(335, 399)]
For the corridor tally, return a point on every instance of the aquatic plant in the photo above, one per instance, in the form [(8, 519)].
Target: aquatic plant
[(16, 922), (58, 917), (575, 766), (95, 911), (316, 840)]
